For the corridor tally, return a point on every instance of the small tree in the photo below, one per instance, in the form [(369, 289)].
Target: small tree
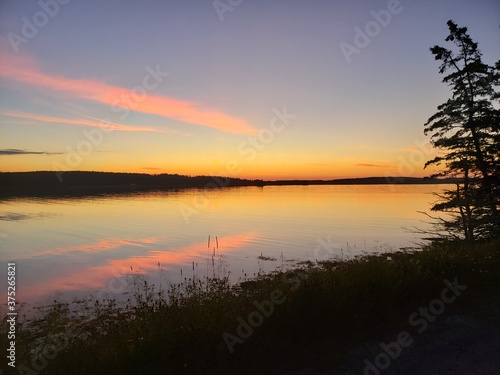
[(466, 129)]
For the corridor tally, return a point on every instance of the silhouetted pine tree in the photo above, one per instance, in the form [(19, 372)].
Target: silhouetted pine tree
[(466, 131)]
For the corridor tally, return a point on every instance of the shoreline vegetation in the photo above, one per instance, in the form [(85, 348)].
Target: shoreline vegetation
[(83, 183), (308, 320)]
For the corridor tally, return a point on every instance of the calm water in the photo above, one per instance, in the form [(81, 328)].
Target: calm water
[(73, 246)]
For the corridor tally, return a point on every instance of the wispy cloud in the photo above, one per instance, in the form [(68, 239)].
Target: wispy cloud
[(16, 151), (24, 69), (91, 121), (375, 165)]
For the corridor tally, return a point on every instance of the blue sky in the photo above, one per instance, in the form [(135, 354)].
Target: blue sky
[(229, 75)]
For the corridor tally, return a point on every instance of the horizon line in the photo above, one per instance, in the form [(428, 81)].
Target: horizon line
[(388, 177)]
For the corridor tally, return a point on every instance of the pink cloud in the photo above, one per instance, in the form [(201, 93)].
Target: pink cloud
[(25, 70), (375, 165), (81, 122)]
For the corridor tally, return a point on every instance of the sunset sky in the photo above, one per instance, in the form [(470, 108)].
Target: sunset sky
[(250, 89)]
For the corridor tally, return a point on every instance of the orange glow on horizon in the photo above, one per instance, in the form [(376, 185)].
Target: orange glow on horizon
[(297, 164), (269, 174)]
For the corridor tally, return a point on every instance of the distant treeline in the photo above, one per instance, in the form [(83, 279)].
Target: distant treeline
[(85, 183), (75, 183), (367, 181)]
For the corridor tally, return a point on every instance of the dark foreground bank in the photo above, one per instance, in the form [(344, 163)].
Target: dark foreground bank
[(388, 313)]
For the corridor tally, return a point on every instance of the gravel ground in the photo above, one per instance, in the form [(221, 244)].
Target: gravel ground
[(456, 342)]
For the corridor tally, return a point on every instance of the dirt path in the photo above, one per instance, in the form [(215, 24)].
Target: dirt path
[(458, 342)]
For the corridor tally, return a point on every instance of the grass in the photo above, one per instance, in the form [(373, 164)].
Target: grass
[(330, 306)]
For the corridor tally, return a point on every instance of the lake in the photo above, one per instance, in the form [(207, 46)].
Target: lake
[(72, 246)]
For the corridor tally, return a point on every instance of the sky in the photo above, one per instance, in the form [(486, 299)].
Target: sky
[(293, 89)]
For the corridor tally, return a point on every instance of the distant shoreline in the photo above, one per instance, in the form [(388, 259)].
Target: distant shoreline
[(82, 183)]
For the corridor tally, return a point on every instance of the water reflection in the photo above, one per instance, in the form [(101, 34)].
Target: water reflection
[(96, 275), (101, 245), (77, 245), (16, 216)]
